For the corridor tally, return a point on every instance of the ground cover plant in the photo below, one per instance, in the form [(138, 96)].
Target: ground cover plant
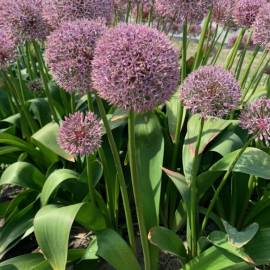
[(134, 134)]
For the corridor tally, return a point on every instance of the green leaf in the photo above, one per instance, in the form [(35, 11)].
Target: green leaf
[(8, 139), (253, 162), (47, 137), (181, 185), (91, 251), (96, 168), (149, 153), (173, 110), (54, 181), (227, 143), (23, 174), (24, 262), (212, 128), (221, 240), (91, 217), (16, 226), (167, 241), (52, 227), (259, 247), (116, 251), (216, 258), (41, 110), (240, 239)]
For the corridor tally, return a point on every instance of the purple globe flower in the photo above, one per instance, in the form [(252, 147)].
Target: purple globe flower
[(179, 10), (8, 47), (210, 91), (58, 11), (261, 27), (135, 67), (80, 134), (256, 119), (222, 12), (245, 11), (69, 53), (24, 17)]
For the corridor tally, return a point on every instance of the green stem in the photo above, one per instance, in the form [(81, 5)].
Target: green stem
[(199, 53), (193, 215), (242, 57), (214, 60), (184, 52), (223, 182), (251, 181), (28, 60), (247, 71), (233, 53), (137, 191), (90, 179), (254, 76), (120, 173), (45, 81), (211, 46)]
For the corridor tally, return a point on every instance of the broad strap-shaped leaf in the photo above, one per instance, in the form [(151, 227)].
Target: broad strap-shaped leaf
[(259, 247), (52, 227), (23, 146), (167, 241), (221, 240), (173, 107), (47, 137), (16, 227), (240, 238), (216, 258), (181, 185), (212, 128), (227, 143), (149, 153), (54, 181), (253, 162), (24, 262), (113, 249), (23, 174)]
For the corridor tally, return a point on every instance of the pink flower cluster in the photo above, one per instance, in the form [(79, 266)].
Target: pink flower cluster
[(210, 91), (135, 67), (80, 134)]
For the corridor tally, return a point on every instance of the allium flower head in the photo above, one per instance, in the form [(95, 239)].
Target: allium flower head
[(246, 11), (210, 91), (261, 27), (59, 11), (24, 17), (179, 10), (8, 45), (69, 53), (222, 12), (80, 134), (35, 86), (135, 67), (256, 119)]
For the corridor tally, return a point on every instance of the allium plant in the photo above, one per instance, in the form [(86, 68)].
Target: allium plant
[(246, 11), (80, 134), (58, 11), (261, 27), (8, 47), (135, 67), (210, 91), (69, 53), (178, 10), (25, 19), (255, 118)]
